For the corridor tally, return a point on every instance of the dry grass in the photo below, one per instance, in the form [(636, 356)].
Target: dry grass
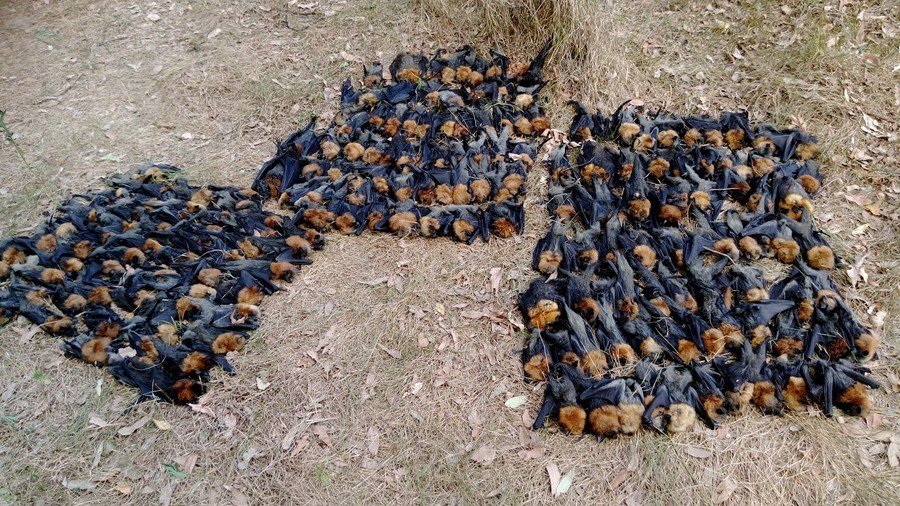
[(593, 40), (137, 85)]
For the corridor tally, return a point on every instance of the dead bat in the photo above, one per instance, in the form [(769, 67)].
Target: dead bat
[(541, 304), (560, 398), (674, 403), (550, 254), (840, 384)]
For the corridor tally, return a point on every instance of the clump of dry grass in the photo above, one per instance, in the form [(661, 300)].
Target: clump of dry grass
[(591, 40)]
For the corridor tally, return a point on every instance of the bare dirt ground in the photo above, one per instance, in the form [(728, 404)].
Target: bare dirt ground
[(381, 374)]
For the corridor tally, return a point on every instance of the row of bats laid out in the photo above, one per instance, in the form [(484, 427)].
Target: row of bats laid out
[(653, 307), (650, 310), (158, 280), (442, 150), (152, 278)]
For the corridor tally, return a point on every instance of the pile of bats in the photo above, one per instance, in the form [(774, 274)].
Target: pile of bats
[(158, 280), (653, 309), (442, 149), (153, 278)]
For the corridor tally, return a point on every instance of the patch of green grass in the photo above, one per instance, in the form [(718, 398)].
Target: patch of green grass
[(10, 420), (40, 377), (322, 475), (10, 138), (46, 35), (174, 471), (7, 495)]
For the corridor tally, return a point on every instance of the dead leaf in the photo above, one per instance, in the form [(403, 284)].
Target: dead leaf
[(187, 462), (857, 272), (262, 384), (619, 479), (473, 419), (877, 449), (165, 494), (130, 429), (565, 483), (633, 463), (416, 388), (8, 393), (860, 230), (533, 453), (555, 476), (495, 493), (25, 335), (247, 456), (872, 208), (322, 432), (99, 422), (724, 490), (873, 420), (860, 200), (860, 155), (895, 382), (697, 452), (864, 459), (301, 445), (636, 498), (373, 437), (515, 402), (369, 463), (559, 484), (78, 484), (393, 353), (201, 407), (878, 318), (351, 58), (123, 488), (893, 454), (239, 498), (289, 437), (495, 279), (484, 455), (872, 127)]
